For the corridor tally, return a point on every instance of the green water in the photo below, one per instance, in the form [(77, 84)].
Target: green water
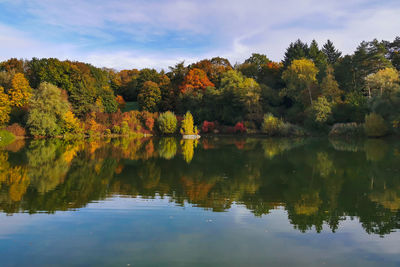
[(216, 202)]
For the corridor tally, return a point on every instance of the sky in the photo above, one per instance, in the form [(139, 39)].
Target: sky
[(126, 34)]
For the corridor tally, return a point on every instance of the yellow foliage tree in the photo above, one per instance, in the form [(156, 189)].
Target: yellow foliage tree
[(300, 77), (20, 91), (187, 124), (72, 124), (5, 107)]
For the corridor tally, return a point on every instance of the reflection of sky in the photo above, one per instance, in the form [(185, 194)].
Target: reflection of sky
[(125, 231)]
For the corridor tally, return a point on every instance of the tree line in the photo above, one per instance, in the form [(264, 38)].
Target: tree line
[(312, 87)]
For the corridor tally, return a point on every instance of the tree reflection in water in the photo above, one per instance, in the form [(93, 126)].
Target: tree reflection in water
[(316, 181)]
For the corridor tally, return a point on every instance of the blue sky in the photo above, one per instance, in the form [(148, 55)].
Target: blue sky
[(159, 33)]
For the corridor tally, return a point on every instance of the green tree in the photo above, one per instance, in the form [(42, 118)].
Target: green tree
[(149, 97), (331, 52), (319, 58), (322, 109), (47, 108), (240, 97), (296, 50)]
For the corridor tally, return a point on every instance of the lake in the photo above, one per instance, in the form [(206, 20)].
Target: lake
[(214, 202)]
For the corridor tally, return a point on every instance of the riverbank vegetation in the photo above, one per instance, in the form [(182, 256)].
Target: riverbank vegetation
[(313, 90)]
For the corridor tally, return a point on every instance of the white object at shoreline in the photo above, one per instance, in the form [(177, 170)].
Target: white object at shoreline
[(191, 136)]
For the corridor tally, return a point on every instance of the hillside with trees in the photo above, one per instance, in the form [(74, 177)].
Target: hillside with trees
[(315, 89)]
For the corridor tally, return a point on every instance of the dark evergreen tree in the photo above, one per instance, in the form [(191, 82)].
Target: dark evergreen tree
[(331, 52)]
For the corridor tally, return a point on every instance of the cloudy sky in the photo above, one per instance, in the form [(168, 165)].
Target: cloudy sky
[(159, 33)]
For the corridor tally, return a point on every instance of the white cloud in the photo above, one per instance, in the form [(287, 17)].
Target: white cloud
[(233, 28)]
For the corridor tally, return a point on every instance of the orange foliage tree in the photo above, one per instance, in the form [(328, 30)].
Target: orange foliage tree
[(195, 80)]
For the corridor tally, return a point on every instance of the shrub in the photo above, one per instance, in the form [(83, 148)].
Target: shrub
[(16, 129), (208, 127), (107, 132), (167, 123), (271, 125), (187, 126), (148, 120), (375, 125), (351, 129), (6, 137), (125, 128), (240, 128), (291, 130), (116, 129), (250, 125)]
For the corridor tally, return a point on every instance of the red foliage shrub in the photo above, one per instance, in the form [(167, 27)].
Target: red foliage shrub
[(116, 118), (148, 119), (102, 118), (16, 129), (208, 127), (239, 127)]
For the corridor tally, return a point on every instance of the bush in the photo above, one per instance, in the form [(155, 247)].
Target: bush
[(291, 130), (116, 129), (208, 127), (375, 125), (240, 128), (107, 132), (16, 129), (125, 128), (148, 120), (6, 138), (167, 123), (271, 125), (351, 129)]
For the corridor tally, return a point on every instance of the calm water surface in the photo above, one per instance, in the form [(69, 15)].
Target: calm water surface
[(216, 202)]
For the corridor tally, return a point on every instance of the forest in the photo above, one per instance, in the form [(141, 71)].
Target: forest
[(314, 90)]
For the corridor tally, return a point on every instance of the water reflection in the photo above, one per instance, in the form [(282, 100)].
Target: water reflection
[(316, 181)]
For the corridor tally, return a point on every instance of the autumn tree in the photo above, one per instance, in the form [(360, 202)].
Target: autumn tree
[(5, 107), (195, 80), (330, 87), (20, 91), (300, 76), (187, 127), (214, 68), (149, 97), (384, 82)]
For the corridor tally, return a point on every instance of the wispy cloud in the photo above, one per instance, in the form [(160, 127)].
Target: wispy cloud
[(158, 33)]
